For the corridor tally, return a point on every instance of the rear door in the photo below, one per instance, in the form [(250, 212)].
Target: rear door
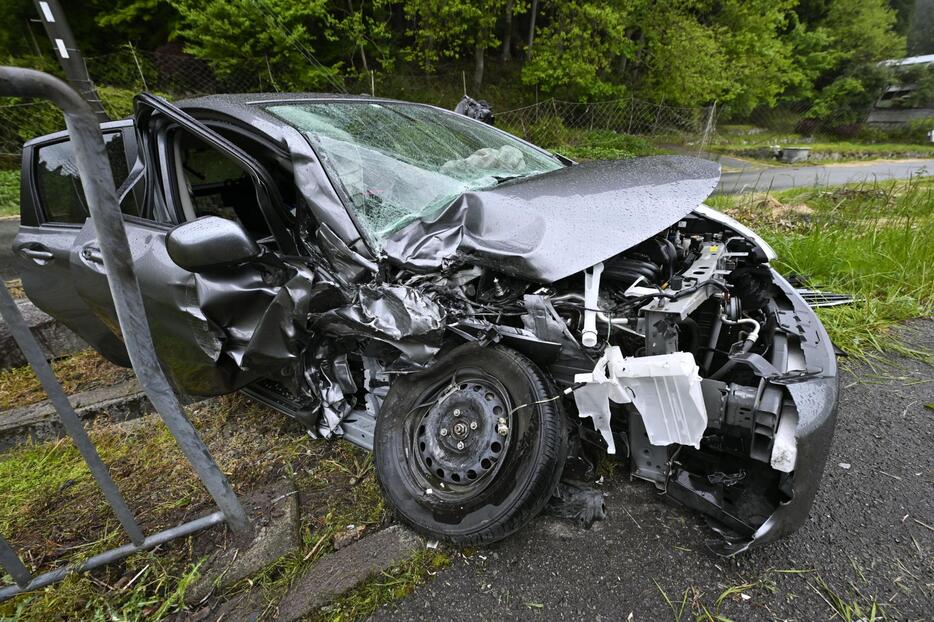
[(189, 172), (52, 215)]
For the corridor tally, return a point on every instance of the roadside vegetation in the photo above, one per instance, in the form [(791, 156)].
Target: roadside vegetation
[(53, 513), (78, 372), (824, 149), (872, 241), (9, 193)]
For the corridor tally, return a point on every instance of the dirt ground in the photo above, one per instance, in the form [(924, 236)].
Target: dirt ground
[(868, 539)]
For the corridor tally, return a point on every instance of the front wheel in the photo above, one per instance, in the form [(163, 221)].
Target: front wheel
[(471, 449)]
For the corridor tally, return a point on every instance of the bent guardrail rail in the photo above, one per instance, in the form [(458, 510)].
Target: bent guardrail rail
[(97, 180)]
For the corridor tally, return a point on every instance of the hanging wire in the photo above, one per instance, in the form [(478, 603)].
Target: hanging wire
[(305, 52)]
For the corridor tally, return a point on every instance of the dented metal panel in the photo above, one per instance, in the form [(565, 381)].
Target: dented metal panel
[(551, 226)]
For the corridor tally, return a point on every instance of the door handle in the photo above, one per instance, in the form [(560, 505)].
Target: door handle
[(92, 254), (38, 253)]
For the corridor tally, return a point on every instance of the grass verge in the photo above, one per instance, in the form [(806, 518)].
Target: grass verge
[(78, 372), (873, 241), (822, 151), (9, 193), (53, 513)]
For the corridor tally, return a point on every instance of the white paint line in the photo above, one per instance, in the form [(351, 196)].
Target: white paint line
[(47, 12), (62, 50)]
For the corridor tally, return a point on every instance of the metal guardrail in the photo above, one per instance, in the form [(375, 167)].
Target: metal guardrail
[(97, 180)]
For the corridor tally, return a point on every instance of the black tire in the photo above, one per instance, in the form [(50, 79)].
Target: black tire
[(485, 481)]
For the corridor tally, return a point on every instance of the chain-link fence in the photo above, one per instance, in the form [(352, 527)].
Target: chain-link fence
[(543, 122)]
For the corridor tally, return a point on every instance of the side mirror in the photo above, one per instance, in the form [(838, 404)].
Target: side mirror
[(210, 242)]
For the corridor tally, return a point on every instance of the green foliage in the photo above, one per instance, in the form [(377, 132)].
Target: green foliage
[(745, 54), (882, 236), (145, 22), (9, 193), (732, 51), (846, 100), (547, 132), (922, 77), (603, 145), (582, 50), (232, 35), (863, 31), (444, 29), (917, 131)]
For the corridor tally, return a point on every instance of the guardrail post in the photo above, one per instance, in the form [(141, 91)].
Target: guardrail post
[(97, 180)]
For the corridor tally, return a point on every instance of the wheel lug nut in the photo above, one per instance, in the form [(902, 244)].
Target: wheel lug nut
[(460, 445), (444, 431), (457, 412), (473, 425)]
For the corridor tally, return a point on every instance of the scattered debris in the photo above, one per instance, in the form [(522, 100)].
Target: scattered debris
[(578, 502)]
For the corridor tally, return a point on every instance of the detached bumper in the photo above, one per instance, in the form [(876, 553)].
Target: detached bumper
[(816, 401)]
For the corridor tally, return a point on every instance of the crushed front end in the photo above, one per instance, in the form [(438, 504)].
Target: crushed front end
[(686, 355)]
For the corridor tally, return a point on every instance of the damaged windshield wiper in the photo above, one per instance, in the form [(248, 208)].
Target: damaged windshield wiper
[(504, 178)]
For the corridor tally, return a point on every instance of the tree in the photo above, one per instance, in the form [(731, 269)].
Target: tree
[(863, 31), (581, 49), (453, 29), (231, 35)]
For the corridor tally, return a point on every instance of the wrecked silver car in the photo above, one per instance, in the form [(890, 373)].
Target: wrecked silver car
[(487, 317)]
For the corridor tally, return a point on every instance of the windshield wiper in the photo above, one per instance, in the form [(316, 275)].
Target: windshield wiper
[(504, 178)]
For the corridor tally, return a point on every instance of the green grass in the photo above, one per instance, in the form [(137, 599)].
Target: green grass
[(78, 372), (584, 145), (874, 241), (9, 193), (52, 511), (579, 144), (750, 146)]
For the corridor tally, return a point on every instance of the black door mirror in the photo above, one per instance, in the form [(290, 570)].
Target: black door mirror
[(210, 242)]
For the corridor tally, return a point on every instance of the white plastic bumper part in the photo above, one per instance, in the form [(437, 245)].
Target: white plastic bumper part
[(665, 389)]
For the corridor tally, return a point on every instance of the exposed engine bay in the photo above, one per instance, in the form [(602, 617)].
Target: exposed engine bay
[(490, 319), (678, 356)]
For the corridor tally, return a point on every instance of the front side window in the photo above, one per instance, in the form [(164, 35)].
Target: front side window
[(60, 191), (213, 184), (399, 162)]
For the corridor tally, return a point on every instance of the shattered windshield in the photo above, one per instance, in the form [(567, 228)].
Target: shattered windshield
[(399, 162)]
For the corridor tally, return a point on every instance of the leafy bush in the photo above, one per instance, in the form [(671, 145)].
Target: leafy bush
[(32, 118), (9, 193), (916, 131)]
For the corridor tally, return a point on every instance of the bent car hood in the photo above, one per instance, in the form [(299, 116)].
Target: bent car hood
[(553, 225)]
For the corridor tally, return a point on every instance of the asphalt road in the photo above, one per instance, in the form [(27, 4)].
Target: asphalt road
[(8, 228), (870, 535), (782, 177)]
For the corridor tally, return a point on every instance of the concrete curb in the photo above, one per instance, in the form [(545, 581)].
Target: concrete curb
[(39, 422), (331, 577), (56, 340), (276, 513), (345, 569)]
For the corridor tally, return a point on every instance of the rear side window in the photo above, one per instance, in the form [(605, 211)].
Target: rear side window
[(60, 192)]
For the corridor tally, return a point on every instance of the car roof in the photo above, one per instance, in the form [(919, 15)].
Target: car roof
[(247, 106)]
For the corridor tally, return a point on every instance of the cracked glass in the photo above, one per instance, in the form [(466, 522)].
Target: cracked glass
[(399, 162)]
